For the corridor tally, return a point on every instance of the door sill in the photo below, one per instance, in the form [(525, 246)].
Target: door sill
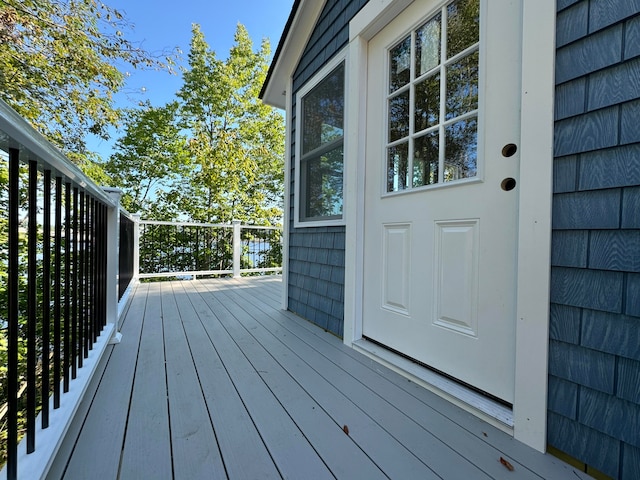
[(491, 411)]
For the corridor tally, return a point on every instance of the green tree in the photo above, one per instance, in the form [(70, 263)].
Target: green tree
[(59, 68), (149, 160), (236, 143)]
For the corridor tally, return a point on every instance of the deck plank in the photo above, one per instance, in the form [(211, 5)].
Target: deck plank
[(194, 445), (148, 424), (290, 450), (238, 437), (104, 427)]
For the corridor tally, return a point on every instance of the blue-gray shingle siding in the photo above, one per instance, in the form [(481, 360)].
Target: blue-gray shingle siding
[(316, 254), (594, 355)]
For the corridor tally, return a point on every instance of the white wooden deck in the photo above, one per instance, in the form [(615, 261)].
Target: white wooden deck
[(213, 380)]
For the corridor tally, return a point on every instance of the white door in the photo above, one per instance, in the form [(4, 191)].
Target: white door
[(441, 189)]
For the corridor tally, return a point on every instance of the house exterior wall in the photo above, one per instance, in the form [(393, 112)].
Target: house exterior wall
[(316, 254), (594, 356)]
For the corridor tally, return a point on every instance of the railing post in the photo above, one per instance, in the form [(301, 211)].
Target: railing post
[(237, 247), (113, 247), (136, 246)]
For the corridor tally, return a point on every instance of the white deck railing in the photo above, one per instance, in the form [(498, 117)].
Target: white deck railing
[(189, 249)]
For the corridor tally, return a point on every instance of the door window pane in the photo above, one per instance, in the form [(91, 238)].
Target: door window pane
[(400, 65), (426, 159), (462, 86), (397, 167), (461, 150), (428, 45), (427, 102), (399, 116), (463, 25)]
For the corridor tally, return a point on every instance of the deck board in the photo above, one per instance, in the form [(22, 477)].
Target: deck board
[(213, 380), (193, 441), (148, 426)]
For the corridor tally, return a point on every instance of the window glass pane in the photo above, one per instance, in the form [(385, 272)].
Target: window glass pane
[(399, 116), (462, 86), (461, 157), (400, 65), (323, 185), (427, 103), (323, 112), (463, 25), (397, 167), (428, 45), (425, 159)]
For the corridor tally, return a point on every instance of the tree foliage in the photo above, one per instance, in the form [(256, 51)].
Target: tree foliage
[(59, 67), (236, 143), (150, 159)]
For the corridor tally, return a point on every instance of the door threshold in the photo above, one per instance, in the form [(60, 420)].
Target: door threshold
[(491, 411)]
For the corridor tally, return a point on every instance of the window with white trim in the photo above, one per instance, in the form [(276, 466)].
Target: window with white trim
[(320, 147)]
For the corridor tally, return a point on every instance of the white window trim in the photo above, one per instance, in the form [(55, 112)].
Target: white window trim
[(536, 168), (311, 83)]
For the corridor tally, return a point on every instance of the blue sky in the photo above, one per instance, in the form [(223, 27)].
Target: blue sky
[(163, 25)]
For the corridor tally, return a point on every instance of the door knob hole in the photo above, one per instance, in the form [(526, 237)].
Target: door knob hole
[(508, 184), (509, 150)]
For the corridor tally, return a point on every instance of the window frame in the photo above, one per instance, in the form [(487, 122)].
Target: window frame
[(299, 202)]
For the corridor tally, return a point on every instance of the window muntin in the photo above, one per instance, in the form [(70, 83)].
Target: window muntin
[(321, 161), (432, 101)]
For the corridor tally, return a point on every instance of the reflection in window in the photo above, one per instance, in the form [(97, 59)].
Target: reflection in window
[(400, 68), (397, 167), (433, 128), (321, 159), (461, 150)]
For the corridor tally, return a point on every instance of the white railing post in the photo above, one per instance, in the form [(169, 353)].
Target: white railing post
[(113, 257), (136, 246), (237, 248)]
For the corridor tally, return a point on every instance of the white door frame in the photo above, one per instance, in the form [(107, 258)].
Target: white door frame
[(535, 194)]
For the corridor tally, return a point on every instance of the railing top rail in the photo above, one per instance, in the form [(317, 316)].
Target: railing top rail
[(184, 224), (16, 132), (197, 224), (261, 227)]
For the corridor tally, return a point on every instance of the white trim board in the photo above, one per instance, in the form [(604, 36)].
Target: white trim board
[(286, 220), (535, 188)]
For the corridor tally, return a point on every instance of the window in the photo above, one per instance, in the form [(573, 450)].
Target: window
[(320, 148), (432, 101)]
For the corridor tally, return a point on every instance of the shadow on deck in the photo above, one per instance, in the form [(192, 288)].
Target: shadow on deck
[(213, 380)]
